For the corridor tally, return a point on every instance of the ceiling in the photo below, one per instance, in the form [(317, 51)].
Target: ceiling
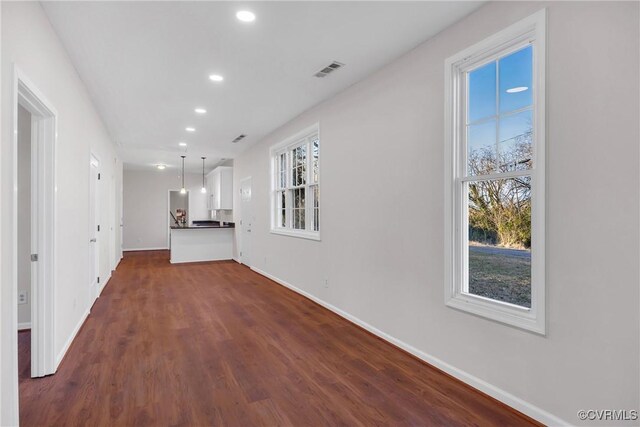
[(146, 65)]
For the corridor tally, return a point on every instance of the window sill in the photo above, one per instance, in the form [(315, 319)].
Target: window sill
[(513, 315), (300, 234)]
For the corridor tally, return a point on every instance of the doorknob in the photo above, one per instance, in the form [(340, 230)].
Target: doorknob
[(92, 240)]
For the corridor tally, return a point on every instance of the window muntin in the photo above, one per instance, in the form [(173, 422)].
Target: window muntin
[(495, 197), (296, 190)]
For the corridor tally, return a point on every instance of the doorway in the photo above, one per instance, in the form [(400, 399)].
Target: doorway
[(94, 226), (24, 234), (178, 211), (32, 259), (246, 221)]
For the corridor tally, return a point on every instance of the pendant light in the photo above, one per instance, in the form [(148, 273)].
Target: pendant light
[(183, 190), (204, 189)]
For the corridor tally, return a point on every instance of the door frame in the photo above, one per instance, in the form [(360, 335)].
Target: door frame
[(43, 157), (241, 240)]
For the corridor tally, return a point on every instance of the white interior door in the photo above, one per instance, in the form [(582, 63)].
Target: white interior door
[(121, 221), (94, 225), (246, 221), (112, 224)]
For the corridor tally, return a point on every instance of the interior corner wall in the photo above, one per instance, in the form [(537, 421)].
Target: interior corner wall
[(30, 43), (146, 206), (382, 214)]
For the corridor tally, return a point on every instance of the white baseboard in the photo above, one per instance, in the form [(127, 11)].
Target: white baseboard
[(115, 265), (526, 408), (81, 322), (103, 283), (145, 249), (71, 338), (24, 326)]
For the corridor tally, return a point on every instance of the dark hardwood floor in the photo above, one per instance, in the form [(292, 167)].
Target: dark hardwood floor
[(24, 355), (217, 344)]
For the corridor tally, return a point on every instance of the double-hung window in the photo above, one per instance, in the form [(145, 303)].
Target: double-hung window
[(296, 185), (494, 147)]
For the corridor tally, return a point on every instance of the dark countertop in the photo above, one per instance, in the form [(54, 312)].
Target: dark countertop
[(203, 224)]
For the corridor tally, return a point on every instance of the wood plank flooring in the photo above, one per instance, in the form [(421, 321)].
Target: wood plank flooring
[(217, 344)]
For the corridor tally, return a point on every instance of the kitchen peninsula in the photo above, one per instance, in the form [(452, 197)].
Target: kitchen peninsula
[(202, 241)]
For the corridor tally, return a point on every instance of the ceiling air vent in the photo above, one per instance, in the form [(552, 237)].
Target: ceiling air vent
[(329, 69), (239, 138)]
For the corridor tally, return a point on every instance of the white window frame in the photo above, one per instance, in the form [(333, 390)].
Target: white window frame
[(304, 137), (529, 30)]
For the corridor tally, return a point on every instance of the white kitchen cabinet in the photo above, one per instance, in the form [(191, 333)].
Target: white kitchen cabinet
[(220, 188)]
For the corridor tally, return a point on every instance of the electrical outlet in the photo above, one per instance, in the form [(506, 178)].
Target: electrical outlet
[(326, 283), (265, 260), (22, 297)]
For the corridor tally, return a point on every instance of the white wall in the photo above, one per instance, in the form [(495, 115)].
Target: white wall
[(24, 211), (7, 405), (29, 42), (382, 215), (146, 205)]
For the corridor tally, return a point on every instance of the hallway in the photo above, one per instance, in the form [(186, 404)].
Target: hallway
[(217, 344)]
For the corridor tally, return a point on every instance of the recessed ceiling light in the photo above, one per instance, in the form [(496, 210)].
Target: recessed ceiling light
[(161, 167), (190, 129), (216, 78), (517, 89), (182, 144), (200, 110), (246, 16)]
